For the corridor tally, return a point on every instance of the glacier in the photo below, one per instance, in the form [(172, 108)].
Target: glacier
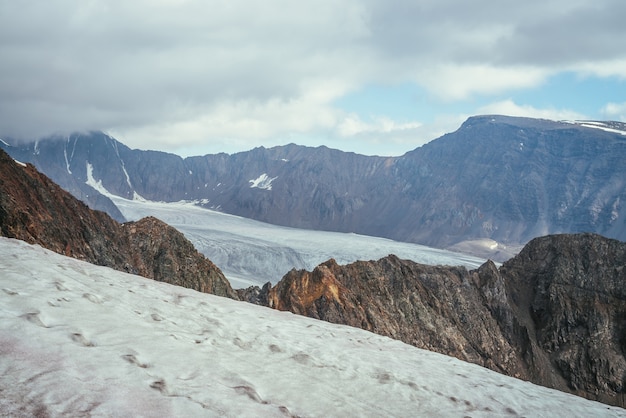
[(251, 253)]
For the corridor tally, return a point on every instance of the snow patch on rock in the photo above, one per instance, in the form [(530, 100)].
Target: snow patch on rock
[(262, 182)]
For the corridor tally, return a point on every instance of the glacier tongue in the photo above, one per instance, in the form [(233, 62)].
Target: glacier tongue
[(252, 253)]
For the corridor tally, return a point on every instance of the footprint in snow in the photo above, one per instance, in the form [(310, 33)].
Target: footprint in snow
[(242, 344), (92, 298), (57, 302), (132, 359), (160, 386), (302, 358), (79, 338), (250, 392), (33, 318), (60, 286), (382, 377)]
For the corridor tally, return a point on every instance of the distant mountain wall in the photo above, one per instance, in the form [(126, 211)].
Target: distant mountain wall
[(496, 178)]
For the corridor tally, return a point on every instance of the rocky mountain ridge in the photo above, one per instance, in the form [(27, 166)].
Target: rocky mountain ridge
[(487, 188), (36, 210), (554, 314)]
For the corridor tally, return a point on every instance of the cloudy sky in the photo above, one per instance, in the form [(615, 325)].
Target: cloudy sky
[(370, 76)]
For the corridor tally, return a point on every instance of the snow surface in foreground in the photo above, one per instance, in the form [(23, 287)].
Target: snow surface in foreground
[(252, 253), (77, 339)]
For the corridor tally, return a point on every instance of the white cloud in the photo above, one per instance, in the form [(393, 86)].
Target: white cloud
[(232, 125), (387, 137), (460, 82), (510, 108), (352, 124), (604, 68), (615, 111), (186, 73)]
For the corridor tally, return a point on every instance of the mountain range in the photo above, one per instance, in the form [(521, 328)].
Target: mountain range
[(487, 188), (553, 314)]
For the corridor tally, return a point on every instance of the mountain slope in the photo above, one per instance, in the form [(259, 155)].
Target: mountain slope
[(552, 315), (82, 340), (496, 178), (36, 210), (513, 179)]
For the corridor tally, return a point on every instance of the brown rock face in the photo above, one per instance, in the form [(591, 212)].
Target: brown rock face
[(431, 307), (161, 251), (554, 315), (34, 209)]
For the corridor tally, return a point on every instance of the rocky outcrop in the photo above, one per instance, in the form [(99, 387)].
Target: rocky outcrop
[(35, 210), (498, 180), (553, 315), (255, 294), (160, 251), (569, 292), (431, 307)]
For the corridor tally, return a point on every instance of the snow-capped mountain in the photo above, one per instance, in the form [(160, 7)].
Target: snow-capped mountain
[(82, 340), (496, 180), (499, 318)]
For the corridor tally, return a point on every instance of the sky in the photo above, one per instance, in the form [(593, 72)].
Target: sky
[(377, 77)]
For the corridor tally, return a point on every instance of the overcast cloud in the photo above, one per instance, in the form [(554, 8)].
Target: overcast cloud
[(194, 76)]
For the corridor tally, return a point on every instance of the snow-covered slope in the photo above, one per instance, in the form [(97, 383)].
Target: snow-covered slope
[(252, 253), (608, 126), (82, 340)]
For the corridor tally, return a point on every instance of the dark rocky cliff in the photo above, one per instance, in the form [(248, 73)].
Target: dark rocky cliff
[(34, 209), (569, 291), (554, 314), (498, 178)]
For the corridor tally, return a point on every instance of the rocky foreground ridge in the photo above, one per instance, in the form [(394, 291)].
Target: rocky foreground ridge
[(36, 210), (555, 314)]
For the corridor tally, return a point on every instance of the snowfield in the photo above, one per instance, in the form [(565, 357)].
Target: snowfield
[(252, 253), (83, 340)]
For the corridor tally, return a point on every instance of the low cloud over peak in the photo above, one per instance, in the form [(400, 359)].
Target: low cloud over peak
[(206, 75)]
